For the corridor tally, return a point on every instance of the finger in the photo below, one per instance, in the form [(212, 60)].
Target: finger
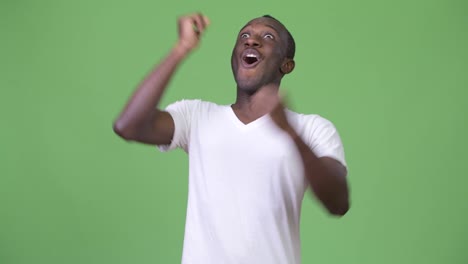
[(195, 26), (202, 21), (198, 24), (206, 20), (185, 22)]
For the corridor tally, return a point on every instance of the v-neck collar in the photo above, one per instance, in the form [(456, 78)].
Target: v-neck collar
[(253, 124)]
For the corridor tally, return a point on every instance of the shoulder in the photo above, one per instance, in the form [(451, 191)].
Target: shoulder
[(193, 109), (309, 122), (193, 104), (320, 134)]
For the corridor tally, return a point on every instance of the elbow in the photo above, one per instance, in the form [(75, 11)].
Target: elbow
[(339, 209), (335, 204), (123, 131)]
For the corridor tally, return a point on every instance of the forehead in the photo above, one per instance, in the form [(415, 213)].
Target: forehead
[(267, 22)]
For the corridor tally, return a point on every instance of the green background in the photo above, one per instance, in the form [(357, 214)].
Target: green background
[(391, 75)]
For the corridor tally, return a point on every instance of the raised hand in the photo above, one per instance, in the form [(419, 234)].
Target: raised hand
[(141, 120), (191, 27), (278, 115)]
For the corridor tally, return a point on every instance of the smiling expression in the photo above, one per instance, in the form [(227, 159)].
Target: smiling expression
[(259, 54)]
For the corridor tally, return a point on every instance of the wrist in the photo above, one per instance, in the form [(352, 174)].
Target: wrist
[(181, 50)]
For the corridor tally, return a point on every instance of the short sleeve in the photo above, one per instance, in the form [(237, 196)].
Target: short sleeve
[(324, 139), (182, 114)]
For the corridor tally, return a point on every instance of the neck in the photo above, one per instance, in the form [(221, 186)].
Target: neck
[(250, 106)]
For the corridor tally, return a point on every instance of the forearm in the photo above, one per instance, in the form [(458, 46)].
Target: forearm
[(145, 99), (327, 182)]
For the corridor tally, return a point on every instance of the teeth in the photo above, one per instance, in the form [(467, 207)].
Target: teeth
[(251, 55)]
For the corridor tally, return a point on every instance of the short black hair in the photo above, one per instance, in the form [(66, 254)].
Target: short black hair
[(291, 48)]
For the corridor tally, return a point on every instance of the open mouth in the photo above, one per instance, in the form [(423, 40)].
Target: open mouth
[(250, 58)]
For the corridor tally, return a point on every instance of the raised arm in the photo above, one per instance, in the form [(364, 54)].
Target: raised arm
[(141, 120)]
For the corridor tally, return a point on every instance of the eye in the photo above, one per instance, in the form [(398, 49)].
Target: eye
[(270, 36), (245, 35)]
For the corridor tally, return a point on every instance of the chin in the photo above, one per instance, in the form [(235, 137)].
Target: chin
[(250, 86), (248, 82)]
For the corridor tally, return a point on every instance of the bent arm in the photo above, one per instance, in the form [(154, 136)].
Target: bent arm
[(326, 176), (140, 120)]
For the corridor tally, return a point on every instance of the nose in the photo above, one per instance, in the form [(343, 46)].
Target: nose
[(252, 42)]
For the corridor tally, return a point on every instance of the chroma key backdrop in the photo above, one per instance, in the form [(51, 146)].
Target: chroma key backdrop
[(391, 75)]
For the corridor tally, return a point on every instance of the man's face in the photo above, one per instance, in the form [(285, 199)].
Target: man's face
[(259, 52)]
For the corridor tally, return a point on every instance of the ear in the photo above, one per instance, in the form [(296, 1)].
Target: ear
[(287, 66)]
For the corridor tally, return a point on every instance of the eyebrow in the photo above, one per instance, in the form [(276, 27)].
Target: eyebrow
[(272, 27), (267, 25)]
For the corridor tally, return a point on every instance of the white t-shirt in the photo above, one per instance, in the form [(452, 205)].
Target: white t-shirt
[(246, 182)]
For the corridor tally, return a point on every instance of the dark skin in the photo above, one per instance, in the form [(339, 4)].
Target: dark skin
[(257, 95)]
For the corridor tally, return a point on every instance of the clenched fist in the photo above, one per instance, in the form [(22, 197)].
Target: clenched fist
[(191, 27)]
